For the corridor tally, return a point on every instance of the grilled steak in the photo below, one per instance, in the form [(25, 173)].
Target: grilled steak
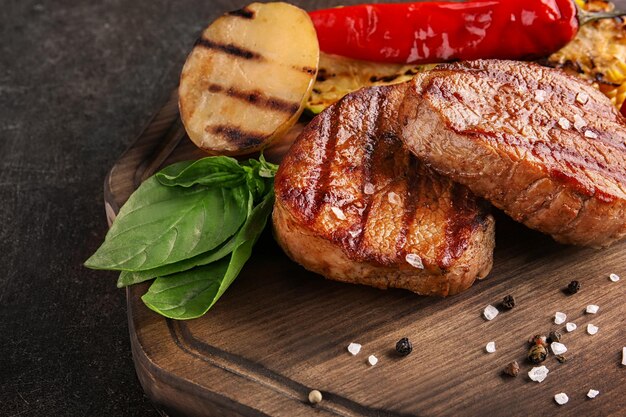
[(543, 146), (354, 205)]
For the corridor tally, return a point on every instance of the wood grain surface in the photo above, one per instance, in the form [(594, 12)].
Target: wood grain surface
[(281, 331)]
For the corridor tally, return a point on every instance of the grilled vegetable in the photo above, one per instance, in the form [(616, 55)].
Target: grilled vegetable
[(427, 32), (338, 76), (248, 77), (598, 53)]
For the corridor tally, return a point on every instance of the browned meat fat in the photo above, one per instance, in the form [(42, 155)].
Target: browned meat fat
[(543, 146), (354, 205)]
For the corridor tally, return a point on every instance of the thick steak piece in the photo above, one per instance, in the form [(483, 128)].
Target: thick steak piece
[(354, 205), (543, 146)]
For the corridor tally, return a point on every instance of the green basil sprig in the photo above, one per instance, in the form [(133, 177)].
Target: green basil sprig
[(191, 226)]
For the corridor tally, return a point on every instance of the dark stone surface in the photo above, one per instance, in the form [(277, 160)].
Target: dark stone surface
[(78, 81)]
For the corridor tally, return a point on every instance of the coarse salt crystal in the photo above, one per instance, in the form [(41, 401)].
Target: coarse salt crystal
[(590, 134), (570, 327), (591, 329), (593, 393), (614, 277), (414, 260), (394, 198), (592, 309), (372, 360), (368, 188), (540, 96), (490, 312), (559, 318), (491, 347), (561, 398), (558, 348), (538, 373), (579, 122), (582, 97), (339, 213), (624, 356), (564, 123), (354, 348)]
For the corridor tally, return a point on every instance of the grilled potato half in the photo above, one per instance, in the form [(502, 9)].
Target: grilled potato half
[(248, 77)]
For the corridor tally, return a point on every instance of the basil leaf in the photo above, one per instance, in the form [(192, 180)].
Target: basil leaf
[(162, 225), (192, 293), (135, 277), (259, 176), (211, 171), (186, 295)]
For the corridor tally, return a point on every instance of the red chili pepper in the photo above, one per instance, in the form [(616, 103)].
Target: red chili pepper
[(623, 109), (432, 32)]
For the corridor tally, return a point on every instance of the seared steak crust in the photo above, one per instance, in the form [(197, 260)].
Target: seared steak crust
[(354, 205), (543, 146)]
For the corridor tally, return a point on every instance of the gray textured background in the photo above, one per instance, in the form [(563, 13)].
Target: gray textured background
[(78, 81)]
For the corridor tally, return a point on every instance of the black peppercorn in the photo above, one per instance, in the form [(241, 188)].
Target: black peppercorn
[(537, 353), (508, 302), (573, 287), (404, 346), (561, 358), (554, 336)]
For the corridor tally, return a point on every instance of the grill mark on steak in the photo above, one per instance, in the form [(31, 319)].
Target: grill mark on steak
[(460, 224), (413, 181), (372, 140), (321, 189)]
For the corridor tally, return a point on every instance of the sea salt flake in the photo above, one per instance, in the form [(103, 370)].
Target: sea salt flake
[(354, 348), (579, 123), (558, 348), (491, 347), (354, 233), (590, 134), (414, 260), (582, 97), (394, 198), (624, 356), (372, 360), (538, 373), (368, 188), (614, 277), (593, 393), (591, 329), (561, 398), (490, 312), (570, 327), (338, 212), (564, 123), (540, 96), (559, 318), (592, 309)]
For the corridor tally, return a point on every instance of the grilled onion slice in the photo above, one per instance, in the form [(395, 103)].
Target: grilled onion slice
[(248, 77)]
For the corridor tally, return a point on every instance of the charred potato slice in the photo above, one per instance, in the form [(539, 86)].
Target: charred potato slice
[(248, 77)]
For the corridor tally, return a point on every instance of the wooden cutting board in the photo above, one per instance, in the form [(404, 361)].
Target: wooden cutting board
[(281, 331)]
